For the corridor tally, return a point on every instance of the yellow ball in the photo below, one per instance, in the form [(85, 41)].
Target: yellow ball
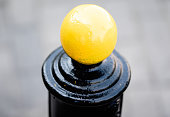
[(88, 34)]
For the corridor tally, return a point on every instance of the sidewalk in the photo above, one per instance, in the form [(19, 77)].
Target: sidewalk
[(30, 30)]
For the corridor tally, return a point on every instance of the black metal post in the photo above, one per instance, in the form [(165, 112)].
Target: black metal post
[(85, 90)]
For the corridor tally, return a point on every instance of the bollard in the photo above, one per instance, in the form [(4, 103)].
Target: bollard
[(82, 83)]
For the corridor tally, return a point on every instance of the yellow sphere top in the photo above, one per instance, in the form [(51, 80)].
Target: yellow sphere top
[(88, 34)]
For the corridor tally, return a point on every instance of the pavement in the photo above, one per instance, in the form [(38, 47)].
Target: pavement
[(30, 30)]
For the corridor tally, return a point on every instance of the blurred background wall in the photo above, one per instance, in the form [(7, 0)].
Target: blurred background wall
[(30, 30)]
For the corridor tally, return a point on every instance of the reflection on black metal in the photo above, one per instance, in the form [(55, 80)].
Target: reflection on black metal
[(79, 90)]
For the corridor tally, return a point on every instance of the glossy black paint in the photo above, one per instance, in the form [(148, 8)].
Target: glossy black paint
[(85, 90), (58, 108)]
